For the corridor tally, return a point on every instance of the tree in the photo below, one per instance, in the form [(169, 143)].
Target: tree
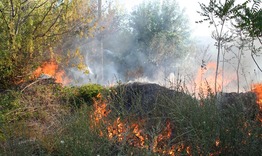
[(218, 14), (139, 43), (243, 20), (30, 30), (249, 22), (160, 31), (249, 19)]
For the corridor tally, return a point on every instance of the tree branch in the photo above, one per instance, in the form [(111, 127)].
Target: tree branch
[(49, 10), (50, 27), (12, 9), (33, 9), (252, 55), (259, 40)]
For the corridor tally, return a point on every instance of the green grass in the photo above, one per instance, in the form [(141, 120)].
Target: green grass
[(53, 120)]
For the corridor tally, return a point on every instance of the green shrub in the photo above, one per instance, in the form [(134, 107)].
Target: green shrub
[(77, 96), (88, 92)]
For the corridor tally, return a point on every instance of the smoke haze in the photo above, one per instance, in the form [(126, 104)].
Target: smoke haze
[(116, 60)]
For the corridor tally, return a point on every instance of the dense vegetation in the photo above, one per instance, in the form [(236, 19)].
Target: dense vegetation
[(32, 32), (48, 119), (42, 117)]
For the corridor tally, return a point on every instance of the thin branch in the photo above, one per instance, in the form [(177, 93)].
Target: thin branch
[(50, 27), (259, 40), (252, 55), (41, 22), (33, 9), (30, 85), (12, 7), (39, 79), (18, 20), (24, 2)]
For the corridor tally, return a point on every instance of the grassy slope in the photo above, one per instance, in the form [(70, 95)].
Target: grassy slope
[(47, 119)]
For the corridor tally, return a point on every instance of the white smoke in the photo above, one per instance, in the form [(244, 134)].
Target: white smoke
[(110, 67)]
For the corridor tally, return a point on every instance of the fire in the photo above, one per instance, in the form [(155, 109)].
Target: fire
[(205, 78), (100, 109), (257, 88), (217, 142), (51, 68), (139, 134), (133, 133), (117, 130)]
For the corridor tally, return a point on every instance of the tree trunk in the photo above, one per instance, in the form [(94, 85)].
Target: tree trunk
[(218, 57)]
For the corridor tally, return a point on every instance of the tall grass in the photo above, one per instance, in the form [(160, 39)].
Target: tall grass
[(199, 126)]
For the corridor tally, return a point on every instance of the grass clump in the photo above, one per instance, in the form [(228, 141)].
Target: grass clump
[(77, 137)]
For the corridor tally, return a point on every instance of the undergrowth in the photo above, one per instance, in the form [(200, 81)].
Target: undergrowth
[(48, 119)]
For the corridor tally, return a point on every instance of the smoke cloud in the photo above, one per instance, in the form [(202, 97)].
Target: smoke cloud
[(113, 57)]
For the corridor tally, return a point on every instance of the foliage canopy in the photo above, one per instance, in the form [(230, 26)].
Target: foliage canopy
[(160, 29)]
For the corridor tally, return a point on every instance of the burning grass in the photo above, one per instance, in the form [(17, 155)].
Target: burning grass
[(180, 126), (257, 88), (132, 119)]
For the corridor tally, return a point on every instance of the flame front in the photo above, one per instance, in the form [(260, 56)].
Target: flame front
[(51, 68), (134, 133), (257, 88)]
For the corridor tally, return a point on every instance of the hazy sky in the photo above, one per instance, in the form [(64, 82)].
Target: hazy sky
[(191, 7)]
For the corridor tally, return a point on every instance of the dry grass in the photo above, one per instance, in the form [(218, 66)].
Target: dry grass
[(48, 119)]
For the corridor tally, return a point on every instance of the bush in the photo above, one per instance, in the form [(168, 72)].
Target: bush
[(77, 96), (199, 127), (9, 101)]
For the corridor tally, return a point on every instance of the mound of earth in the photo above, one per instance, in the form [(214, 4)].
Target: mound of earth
[(145, 98)]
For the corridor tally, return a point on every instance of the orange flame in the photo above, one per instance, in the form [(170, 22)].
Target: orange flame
[(140, 137), (51, 68), (206, 74), (257, 88), (122, 131), (100, 109)]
